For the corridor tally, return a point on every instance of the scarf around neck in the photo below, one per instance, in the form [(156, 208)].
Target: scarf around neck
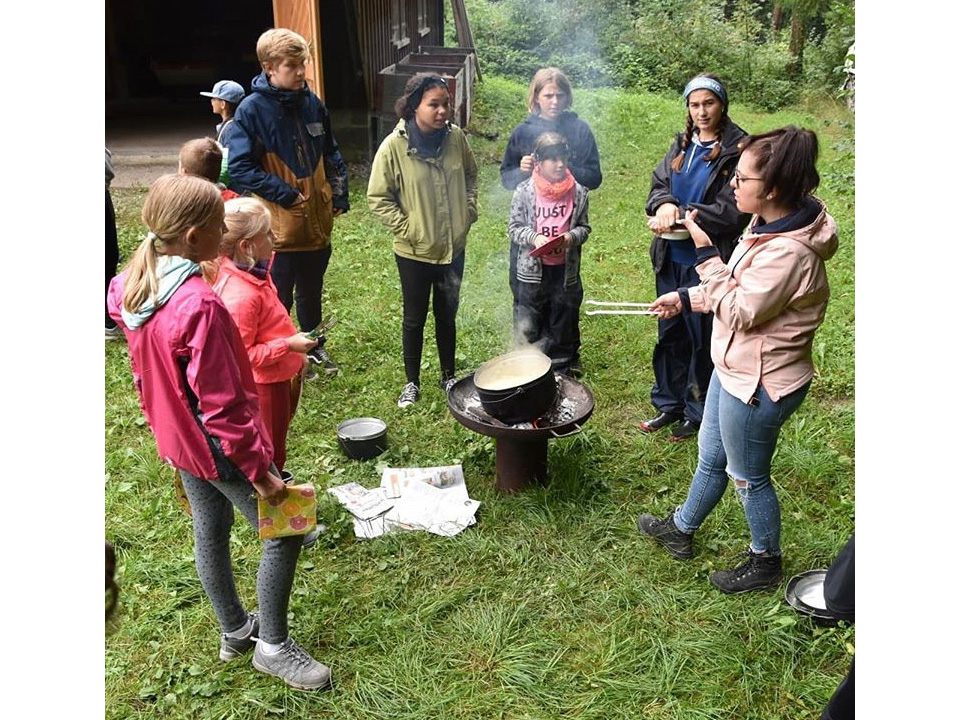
[(172, 272), (551, 190)]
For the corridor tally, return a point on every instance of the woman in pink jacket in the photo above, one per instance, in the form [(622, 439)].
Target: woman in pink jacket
[(768, 302), (196, 390), (275, 348)]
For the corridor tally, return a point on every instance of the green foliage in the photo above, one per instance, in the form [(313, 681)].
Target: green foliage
[(552, 606), (658, 45)]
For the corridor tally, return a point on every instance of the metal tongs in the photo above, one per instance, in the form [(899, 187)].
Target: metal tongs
[(644, 308)]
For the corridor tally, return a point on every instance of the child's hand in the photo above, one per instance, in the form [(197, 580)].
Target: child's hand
[(269, 486), (667, 305), (667, 216), (697, 234), (526, 163), (539, 240), (301, 342)]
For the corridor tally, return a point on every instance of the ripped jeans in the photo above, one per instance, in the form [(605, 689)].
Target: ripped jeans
[(739, 440)]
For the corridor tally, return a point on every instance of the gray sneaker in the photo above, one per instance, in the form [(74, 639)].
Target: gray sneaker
[(232, 646), (410, 394), (293, 665)]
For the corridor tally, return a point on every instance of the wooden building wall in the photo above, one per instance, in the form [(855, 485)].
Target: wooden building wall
[(380, 45)]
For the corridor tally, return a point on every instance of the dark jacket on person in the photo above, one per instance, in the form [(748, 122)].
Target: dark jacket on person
[(584, 162), (718, 214), (281, 145)]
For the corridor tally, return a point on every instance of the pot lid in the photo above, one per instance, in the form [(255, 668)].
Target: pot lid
[(363, 428)]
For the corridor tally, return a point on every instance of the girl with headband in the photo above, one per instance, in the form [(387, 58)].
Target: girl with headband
[(549, 100), (423, 187), (694, 175)]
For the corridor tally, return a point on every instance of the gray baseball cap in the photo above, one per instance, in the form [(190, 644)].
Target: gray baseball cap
[(227, 90)]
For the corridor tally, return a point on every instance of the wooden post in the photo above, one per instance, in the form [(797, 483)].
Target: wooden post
[(464, 34), (303, 17)]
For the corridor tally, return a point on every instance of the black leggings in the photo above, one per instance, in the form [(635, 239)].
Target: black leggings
[(112, 252), (299, 276), (416, 279)]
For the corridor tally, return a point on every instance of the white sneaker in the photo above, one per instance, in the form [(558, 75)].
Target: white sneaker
[(293, 665), (410, 394), (113, 333)]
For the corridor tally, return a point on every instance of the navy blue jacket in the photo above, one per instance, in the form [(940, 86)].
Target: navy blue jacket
[(281, 145), (584, 155)]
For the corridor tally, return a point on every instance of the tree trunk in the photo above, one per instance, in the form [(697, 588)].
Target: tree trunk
[(777, 18), (796, 35)]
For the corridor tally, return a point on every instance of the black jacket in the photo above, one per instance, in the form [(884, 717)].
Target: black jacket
[(584, 155), (718, 214)]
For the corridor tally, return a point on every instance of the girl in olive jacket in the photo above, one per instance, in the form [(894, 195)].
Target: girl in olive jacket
[(423, 186)]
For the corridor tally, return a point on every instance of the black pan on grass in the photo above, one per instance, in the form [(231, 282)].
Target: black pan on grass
[(362, 438)]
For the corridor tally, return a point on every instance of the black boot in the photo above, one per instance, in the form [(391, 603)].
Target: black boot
[(678, 543), (759, 572)]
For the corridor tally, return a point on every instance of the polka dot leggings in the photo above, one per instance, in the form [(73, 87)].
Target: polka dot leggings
[(212, 503)]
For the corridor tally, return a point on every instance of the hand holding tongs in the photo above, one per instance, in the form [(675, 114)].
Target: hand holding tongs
[(645, 308)]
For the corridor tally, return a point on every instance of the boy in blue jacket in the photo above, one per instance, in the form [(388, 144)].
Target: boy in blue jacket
[(283, 151)]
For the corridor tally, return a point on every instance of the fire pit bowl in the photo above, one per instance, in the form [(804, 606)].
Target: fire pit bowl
[(522, 448)]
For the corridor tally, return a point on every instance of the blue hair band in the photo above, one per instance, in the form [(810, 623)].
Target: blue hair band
[(705, 83)]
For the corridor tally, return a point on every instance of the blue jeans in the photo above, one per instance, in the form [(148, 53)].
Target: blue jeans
[(739, 439)]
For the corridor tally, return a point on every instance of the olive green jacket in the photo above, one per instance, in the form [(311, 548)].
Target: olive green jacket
[(428, 203)]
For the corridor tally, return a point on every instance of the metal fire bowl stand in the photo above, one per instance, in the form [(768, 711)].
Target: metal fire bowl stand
[(522, 451)]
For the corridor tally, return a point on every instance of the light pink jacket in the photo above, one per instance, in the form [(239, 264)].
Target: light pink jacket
[(190, 367), (263, 322), (768, 302)]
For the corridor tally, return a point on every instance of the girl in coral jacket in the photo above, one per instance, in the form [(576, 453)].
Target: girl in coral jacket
[(191, 372), (768, 302), (276, 350)]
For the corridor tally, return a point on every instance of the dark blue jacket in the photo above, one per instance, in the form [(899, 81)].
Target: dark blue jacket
[(281, 145), (584, 155)]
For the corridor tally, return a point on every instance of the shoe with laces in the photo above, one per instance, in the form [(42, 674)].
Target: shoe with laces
[(759, 572), (113, 333), (447, 383), (293, 665), (664, 531), (321, 358), (233, 646), (410, 394)]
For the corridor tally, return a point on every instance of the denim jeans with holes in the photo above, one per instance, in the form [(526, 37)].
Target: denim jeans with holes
[(739, 439)]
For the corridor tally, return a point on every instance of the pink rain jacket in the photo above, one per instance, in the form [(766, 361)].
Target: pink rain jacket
[(189, 354), (263, 322), (768, 302)]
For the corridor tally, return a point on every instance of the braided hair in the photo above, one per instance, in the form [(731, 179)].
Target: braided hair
[(677, 164)]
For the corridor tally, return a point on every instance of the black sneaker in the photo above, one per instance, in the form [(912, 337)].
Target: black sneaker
[(678, 543), (684, 430), (321, 358), (759, 572), (447, 383)]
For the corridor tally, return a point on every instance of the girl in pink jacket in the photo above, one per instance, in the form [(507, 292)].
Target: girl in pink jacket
[(768, 302), (191, 372), (275, 348)]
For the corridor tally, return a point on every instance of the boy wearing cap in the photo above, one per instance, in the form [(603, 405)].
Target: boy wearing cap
[(224, 98), (282, 149)]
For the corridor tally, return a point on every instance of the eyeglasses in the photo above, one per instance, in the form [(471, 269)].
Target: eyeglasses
[(738, 178)]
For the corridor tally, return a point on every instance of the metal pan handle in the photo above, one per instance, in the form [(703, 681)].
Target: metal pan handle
[(563, 435)]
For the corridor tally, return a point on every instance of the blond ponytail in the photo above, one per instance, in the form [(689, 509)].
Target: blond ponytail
[(174, 204)]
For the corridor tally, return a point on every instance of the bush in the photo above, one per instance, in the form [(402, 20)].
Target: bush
[(657, 45)]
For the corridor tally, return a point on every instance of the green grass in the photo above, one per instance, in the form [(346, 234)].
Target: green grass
[(551, 606)]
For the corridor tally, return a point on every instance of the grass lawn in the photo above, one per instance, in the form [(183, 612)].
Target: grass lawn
[(552, 606)]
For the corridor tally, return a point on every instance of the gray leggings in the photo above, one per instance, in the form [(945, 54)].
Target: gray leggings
[(212, 503)]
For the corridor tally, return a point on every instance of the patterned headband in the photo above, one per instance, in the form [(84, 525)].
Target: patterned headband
[(705, 83)]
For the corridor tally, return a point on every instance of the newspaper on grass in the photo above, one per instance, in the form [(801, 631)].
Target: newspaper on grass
[(431, 499)]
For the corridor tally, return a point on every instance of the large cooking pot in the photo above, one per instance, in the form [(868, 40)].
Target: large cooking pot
[(517, 386)]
